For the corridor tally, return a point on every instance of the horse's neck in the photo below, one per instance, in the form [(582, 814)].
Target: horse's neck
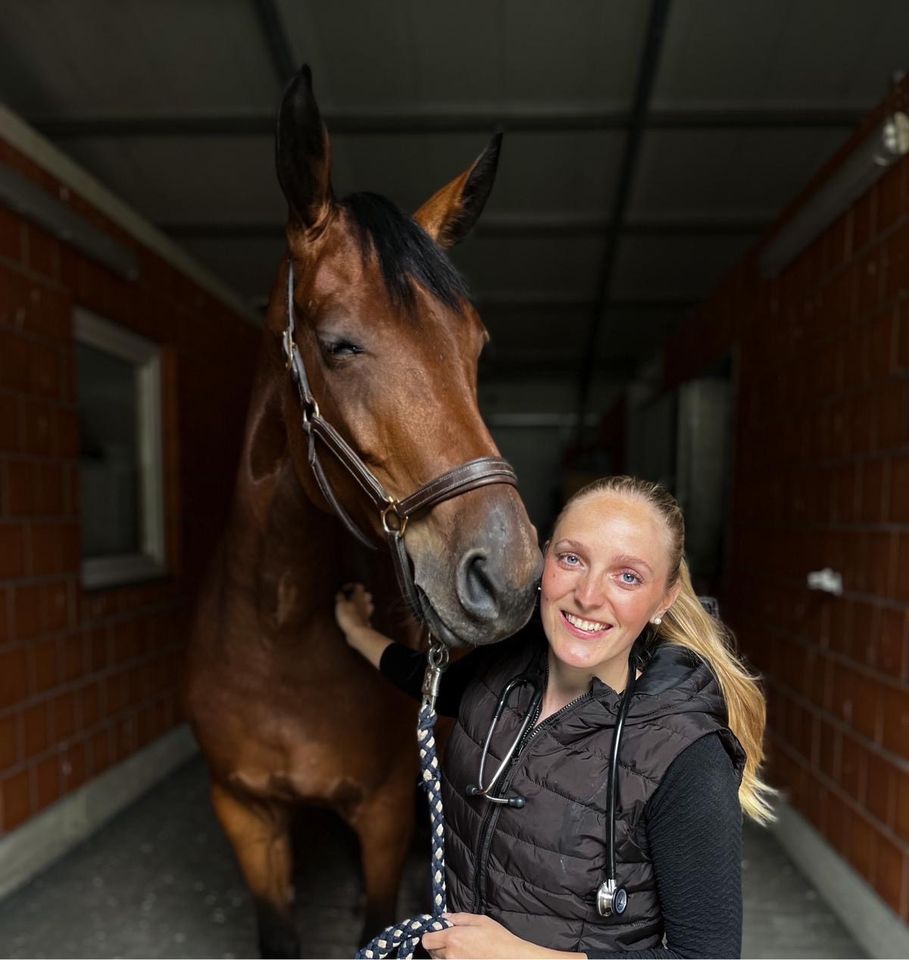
[(284, 557), (281, 550)]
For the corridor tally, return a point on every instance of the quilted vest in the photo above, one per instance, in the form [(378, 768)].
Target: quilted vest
[(536, 869)]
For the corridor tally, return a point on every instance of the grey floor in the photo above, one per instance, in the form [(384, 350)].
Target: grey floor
[(160, 881)]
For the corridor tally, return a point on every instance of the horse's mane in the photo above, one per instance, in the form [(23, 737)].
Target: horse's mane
[(404, 250)]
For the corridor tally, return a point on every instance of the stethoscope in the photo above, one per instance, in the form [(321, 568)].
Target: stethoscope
[(611, 899)]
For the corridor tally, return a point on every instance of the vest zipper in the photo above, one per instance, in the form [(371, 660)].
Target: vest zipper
[(495, 809)]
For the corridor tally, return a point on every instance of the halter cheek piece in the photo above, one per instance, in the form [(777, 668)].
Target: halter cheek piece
[(393, 513)]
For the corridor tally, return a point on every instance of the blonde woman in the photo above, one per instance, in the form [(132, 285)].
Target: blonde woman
[(544, 860)]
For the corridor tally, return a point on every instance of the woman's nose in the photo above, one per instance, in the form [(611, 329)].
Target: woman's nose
[(590, 591)]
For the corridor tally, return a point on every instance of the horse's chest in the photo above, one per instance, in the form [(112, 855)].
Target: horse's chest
[(328, 741)]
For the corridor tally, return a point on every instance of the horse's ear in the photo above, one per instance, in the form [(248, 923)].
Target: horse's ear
[(449, 215), (303, 153)]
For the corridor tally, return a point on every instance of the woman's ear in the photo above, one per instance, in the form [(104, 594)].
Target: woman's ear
[(671, 596)]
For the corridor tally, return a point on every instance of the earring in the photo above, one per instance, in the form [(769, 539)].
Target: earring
[(539, 587), (656, 621)]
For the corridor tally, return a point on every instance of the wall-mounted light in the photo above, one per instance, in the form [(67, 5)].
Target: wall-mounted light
[(870, 160), (827, 580)]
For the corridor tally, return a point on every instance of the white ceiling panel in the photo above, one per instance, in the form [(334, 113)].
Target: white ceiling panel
[(540, 173), (418, 54), (726, 173), (782, 53), (182, 179), (674, 267), (66, 58), (531, 266)]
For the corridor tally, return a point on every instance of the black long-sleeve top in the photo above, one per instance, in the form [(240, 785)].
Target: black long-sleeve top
[(693, 822)]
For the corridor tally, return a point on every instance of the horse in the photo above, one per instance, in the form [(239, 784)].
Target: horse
[(365, 390)]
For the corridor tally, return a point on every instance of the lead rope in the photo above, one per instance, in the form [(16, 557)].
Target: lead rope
[(401, 939)]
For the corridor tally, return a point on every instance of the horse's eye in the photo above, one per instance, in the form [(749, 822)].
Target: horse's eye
[(336, 349)]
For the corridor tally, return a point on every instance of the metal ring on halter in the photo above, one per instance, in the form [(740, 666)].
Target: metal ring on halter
[(398, 531), (310, 410)]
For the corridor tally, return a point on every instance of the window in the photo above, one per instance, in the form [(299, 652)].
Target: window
[(118, 377)]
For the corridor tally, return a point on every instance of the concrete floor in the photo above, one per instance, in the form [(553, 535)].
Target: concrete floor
[(160, 881)]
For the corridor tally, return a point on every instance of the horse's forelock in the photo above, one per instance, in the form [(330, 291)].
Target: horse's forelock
[(405, 252)]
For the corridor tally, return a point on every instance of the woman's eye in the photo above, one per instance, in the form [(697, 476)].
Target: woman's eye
[(630, 578), (571, 559)]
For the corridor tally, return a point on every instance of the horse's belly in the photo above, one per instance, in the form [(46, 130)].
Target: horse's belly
[(309, 754), (313, 779)]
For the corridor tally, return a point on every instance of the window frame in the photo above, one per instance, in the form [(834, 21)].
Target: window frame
[(150, 561)]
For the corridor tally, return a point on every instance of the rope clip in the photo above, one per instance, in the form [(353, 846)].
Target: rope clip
[(436, 662)]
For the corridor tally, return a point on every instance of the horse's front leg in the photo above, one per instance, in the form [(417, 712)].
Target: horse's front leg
[(384, 824), (258, 832)]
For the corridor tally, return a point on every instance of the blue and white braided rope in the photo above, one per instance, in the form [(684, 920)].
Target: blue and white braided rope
[(401, 939)]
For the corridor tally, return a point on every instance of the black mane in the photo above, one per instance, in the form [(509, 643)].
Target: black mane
[(405, 252)]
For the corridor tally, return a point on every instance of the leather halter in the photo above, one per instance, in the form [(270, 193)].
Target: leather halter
[(393, 513)]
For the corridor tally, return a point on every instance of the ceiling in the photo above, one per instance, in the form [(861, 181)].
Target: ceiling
[(647, 142)]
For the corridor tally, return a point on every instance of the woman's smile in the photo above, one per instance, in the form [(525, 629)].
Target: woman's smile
[(581, 627)]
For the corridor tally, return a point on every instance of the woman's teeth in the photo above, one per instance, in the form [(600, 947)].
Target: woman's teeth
[(590, 626)]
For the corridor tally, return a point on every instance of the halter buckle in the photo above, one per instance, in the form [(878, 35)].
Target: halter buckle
[(287, 341), (400, 523)]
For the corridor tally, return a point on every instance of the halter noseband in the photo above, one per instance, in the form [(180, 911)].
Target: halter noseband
[(393, 513)]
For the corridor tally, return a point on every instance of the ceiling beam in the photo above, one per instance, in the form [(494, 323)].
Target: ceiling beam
[(479, 122), (618, 370), (276, 39), (532, 301), (647, 71), (521, 301), (521, 226)]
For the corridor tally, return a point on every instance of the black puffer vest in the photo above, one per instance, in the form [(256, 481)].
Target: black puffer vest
[(537, 869)]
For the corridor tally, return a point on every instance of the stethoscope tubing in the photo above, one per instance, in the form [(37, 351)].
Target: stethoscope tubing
[(612, 796), (479, 790), (615, 897)]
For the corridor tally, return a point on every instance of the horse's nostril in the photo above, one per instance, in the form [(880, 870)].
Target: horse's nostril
[(476, 588)]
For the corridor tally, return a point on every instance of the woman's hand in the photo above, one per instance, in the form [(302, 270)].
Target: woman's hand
[(473, 936), (353, 608), (353, 611)]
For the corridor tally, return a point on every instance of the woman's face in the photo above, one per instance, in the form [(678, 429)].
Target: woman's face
[(605, 577)]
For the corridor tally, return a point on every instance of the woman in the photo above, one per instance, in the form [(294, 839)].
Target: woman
[(617, 607)]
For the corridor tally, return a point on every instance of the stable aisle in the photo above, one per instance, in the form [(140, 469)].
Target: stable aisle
[(160, 881)]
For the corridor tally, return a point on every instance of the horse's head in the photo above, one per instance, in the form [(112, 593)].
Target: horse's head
[(390, 342)]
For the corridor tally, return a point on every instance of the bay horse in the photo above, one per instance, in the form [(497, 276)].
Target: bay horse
[(382, 344)]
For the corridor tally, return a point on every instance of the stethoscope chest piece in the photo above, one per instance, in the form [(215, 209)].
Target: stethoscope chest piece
[(611, 899)]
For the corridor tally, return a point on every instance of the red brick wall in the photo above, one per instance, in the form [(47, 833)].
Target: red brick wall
[(88, 678), (822, 479)]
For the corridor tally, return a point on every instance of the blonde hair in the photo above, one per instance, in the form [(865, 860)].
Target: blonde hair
[(687, 624)]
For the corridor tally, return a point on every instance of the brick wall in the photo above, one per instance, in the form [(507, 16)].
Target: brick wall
[(88, 678), (822, 479)]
